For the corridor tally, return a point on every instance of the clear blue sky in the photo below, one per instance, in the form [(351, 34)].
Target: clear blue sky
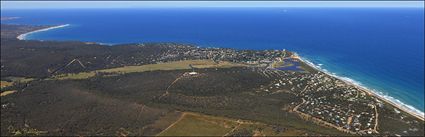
[(151, 4)]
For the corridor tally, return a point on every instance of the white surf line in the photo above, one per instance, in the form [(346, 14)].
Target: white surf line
[(388, 99), (23, 36)]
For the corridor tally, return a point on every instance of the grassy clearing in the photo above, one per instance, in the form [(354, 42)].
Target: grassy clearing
[(260, 129), (5, 84), (161, 124), (199, 125), (82, 75), (269, 131), (7, 92), (18, 79), (176, 65), (193, 124)]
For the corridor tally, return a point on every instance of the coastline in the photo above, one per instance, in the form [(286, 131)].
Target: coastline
[(396, 103), (399, 105), (23, 36)]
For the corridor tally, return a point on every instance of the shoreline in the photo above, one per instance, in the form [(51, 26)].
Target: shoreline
[(23, 36), (396, 103), (402, 106)]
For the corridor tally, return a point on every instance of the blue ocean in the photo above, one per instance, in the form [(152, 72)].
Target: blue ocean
[(379, 48)]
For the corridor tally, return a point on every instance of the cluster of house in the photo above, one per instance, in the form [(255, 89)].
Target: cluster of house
[(254, 57), (335, 102), (330, 100), (342, 105)]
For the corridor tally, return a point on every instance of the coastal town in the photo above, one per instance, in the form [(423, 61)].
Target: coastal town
[(183, 77), (326, 100), (212, 68)]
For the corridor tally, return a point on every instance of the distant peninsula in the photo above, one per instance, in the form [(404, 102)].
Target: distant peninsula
[(9, 18), (23, 36)]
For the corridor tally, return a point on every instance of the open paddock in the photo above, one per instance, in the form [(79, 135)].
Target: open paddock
[(175, 65)]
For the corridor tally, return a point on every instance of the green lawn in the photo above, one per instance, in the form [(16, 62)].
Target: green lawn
[(193, 125)]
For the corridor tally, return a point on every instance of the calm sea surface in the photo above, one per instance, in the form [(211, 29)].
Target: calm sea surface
[(381, 48)]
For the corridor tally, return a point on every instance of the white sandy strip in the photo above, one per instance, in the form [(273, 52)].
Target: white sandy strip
[(390, 100), (23, 36)]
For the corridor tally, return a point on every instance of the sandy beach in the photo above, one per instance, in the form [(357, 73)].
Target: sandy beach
[(368, 91), (23, 36)]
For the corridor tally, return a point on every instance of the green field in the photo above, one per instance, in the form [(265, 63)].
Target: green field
[(193, 124), (15, 80), (5, 84), (176, 65), (7, 92), (197, 125)]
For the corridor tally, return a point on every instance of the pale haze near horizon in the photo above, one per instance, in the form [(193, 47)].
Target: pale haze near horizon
[(182, 4)]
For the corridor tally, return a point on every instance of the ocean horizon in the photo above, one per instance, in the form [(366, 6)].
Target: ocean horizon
[(381, 49)]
